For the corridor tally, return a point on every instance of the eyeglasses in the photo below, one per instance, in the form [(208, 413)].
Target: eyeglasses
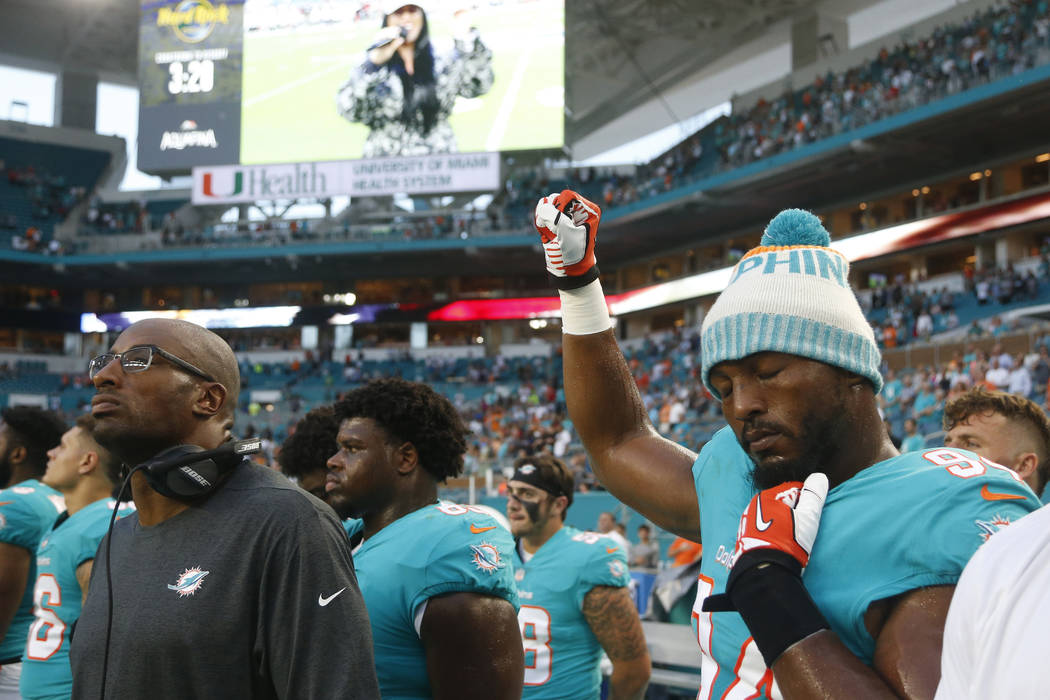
[(139, 359)]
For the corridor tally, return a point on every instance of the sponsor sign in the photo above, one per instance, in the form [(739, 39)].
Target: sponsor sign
[(436, 174)]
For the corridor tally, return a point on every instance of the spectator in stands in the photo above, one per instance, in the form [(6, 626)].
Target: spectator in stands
[(1007, 429), (683, 552), (407, 86), (645, 553), (170, 387), (912, 441), (28, 509), (1020, 382), (607, 525), (998, 375)]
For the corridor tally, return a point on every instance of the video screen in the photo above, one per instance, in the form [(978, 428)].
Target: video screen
[(325, 80)]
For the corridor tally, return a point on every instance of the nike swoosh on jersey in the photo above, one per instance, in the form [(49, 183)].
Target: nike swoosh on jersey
[(478, 530), (610, 550), (990, 496), (760, 523), (322, 601)]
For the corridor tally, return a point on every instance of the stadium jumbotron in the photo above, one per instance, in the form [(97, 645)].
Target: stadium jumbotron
[(346, 191)]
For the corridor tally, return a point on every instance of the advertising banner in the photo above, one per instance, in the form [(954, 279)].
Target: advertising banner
[(438, 174)]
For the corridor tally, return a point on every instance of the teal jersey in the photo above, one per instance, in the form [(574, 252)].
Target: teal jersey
[(439, 549), (561, 651), (27, 511), (57, 598), (901, 524)]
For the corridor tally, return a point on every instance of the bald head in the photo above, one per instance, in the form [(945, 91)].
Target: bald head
[(198, 346)]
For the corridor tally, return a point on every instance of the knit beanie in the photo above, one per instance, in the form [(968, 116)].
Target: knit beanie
[(791, 294)]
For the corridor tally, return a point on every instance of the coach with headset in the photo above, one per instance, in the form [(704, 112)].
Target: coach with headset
[(228, 582)]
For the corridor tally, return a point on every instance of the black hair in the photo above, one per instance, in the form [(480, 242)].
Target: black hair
[(415, 413), (313, 442), (34, 429), (421, 105)]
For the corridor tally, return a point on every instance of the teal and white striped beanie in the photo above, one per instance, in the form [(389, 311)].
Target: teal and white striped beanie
[(791, 294)]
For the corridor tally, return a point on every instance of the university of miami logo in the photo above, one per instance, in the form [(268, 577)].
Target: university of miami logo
[(209, 185)]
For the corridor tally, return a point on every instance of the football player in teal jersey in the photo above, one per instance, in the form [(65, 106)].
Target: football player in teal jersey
[(84, 473), (854, 609), (437, 578), (27, 510), (573, 590)]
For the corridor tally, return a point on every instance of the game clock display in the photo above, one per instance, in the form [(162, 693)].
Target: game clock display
[(190, 64)]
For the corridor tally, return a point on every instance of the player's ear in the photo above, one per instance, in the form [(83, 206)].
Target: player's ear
[(17, 455), (1026, 465), (407, 458), (88, 462)]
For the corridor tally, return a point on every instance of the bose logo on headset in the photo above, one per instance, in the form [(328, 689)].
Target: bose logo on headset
[(189, 471)]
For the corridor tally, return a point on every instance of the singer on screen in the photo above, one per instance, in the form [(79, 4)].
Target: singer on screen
[(407, 86)]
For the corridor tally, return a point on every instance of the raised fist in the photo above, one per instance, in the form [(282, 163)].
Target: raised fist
[(568, 225)]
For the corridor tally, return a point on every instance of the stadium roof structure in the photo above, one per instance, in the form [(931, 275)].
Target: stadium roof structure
[(619, 53)]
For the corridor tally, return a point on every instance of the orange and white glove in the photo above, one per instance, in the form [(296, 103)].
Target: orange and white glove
[(776, 535), (784, 518), (568, 225)]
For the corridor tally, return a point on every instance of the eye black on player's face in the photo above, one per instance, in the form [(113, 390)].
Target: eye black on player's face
[(789, 413)]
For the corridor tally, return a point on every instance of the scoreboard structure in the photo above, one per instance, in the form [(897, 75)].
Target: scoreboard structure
[(190, 64), (255, 82)]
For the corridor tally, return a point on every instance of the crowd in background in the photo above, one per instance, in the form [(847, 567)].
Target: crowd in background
[(994, 43)]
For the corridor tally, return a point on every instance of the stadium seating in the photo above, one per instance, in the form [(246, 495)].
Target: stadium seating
[(41, 183)]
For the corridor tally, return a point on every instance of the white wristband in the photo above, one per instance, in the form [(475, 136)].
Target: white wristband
[(583, 310)]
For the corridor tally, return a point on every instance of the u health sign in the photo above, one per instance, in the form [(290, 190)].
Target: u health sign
[(436, 174)]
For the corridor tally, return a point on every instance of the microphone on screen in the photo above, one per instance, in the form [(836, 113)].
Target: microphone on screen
[(386, 40)]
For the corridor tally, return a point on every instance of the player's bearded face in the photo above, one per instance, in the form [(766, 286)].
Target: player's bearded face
[(790, 414), (811, 445)]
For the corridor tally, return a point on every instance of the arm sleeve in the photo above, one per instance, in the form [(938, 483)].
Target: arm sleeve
[(371, 96), (310, 650)]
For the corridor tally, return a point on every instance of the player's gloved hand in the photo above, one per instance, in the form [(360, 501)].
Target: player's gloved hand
[(776, 536), (568, 225)]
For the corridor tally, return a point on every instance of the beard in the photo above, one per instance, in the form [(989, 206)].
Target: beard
[(818, 437)]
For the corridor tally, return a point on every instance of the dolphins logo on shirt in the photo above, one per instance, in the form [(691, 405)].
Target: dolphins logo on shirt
[(486, 557), (189, 581)]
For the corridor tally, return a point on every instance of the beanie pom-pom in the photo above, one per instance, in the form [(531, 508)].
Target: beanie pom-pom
[(793, 227)]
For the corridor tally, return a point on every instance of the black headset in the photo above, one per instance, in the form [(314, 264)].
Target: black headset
[(181, 472), (189, 471)]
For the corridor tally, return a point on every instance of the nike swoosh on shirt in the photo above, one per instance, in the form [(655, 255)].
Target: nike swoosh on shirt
[(990, 496), (610, 550), (322, 601), (478, 530)]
